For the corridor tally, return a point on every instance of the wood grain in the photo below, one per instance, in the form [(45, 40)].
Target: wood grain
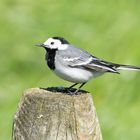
[(46, 115)]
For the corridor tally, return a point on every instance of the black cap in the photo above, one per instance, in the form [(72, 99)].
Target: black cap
[(63, 41)]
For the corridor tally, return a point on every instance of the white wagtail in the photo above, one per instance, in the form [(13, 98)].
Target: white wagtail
[(75, 64)]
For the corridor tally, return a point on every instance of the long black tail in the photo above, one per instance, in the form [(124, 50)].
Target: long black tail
[(127, 67)]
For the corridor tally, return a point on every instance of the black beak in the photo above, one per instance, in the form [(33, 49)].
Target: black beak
[(40, 45)]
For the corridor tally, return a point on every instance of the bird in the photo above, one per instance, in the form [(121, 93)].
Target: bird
[(75, 64)]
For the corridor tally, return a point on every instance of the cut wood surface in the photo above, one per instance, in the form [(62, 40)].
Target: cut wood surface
[(51, 115)]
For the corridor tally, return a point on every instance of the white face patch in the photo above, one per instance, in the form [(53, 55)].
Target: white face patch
[(52, 43), (55, 44), (63, 47)]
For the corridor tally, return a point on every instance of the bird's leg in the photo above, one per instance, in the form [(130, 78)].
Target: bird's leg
[(75, 92), (69, 88), (73, 86)]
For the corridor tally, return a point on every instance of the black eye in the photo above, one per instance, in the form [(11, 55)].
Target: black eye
[(52, 43)]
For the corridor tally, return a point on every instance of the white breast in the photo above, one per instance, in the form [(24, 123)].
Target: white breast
[(73, 74)]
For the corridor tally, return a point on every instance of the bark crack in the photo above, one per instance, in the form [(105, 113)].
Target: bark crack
[(59, 120), (75, 120)]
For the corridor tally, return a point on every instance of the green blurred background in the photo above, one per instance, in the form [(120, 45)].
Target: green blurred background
[(108, 29)]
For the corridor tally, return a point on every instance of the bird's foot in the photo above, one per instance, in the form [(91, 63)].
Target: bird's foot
[(68, 91), (72, 91)]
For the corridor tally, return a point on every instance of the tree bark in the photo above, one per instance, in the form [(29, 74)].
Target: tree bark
[(48, 115)]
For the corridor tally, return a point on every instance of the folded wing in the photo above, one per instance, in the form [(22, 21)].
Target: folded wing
[(77, 57)]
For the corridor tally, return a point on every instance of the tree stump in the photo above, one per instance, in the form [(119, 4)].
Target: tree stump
[(52, 115)]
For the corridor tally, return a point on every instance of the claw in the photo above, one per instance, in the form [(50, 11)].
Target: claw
[(72, 92)]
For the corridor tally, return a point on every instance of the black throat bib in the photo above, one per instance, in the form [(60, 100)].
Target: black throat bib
[(50, 58)]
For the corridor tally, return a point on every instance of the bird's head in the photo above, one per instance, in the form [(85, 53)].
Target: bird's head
[(58, 43)]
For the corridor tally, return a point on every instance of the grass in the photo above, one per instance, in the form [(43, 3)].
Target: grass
[(109, 29)]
